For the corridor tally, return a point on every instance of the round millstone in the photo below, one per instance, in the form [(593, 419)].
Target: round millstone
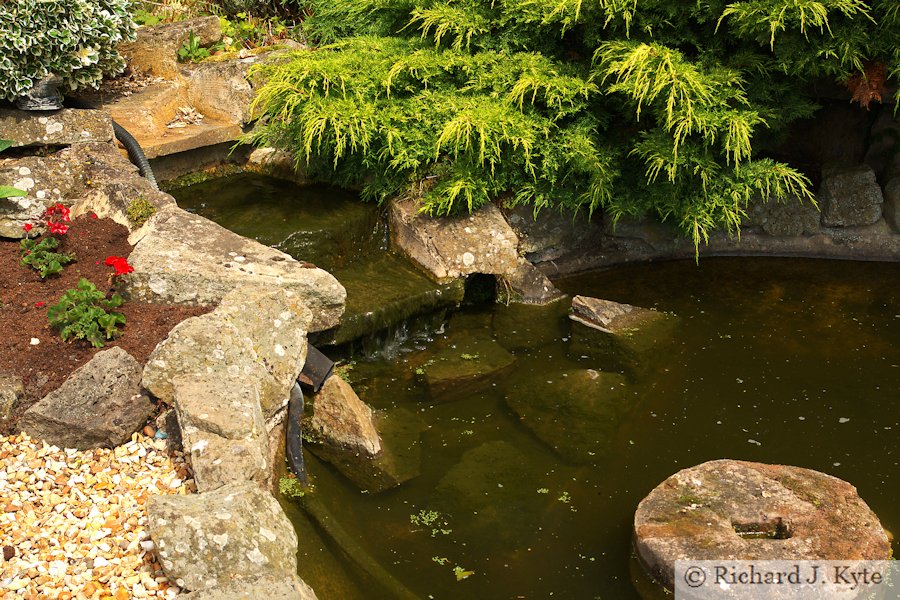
[(735, 510)]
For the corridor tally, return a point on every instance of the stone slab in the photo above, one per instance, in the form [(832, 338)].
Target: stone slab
[(55, 128)]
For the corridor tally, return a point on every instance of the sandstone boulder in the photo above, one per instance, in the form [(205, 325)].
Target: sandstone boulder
[(155, 51), (735, 510), (276, 588), (220, 90), (99, 405), (620, 337), (236, 532), (527, 285), (256, 334), (850, 196), (222, 429), (450, 247), (186, 259), (337, 417), (56, 128)]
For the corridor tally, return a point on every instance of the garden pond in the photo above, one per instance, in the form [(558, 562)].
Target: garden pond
[(532, 459)]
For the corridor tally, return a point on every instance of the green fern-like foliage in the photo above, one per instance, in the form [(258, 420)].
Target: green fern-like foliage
[(633, 106)]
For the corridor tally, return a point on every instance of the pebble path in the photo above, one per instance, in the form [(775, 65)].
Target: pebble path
[(73, 523)]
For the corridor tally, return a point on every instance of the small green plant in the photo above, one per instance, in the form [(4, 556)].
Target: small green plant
[(291, 487), (441, 560), (461, 573), (193, 51), (139, 211), (433, 520), (465, 356), (40, 256), (82, 314)]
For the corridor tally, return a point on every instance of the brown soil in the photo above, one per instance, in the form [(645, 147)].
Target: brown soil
[(45, 366)]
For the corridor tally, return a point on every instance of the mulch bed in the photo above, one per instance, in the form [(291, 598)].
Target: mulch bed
[(44, 367)]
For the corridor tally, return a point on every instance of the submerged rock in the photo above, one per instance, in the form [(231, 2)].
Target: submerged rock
[(621, 337), (577, 412), (237, 532), (735, 510), (467, 359), (521, 326), (99, 405)]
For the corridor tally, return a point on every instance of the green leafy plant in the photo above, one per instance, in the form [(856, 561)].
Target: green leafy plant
[(40, 256), (74, 40), (661, 107), (192, 50), (433, 520), (139, 211), (82, 314), (7, 191), (291, 487)]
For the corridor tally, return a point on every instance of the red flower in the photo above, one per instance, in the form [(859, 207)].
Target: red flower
[(27, 227), (120, 264), (93, 215), (57, 227), (39, 304)]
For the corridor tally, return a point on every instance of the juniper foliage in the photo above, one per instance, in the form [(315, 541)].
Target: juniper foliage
[(630, 105)]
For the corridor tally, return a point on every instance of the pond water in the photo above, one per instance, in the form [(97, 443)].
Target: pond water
[(531, 472)]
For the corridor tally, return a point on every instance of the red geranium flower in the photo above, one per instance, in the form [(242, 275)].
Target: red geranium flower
[(120, 264), (40, 304), (27, 227)]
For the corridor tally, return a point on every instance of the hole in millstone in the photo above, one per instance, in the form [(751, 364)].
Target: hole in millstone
[(776, 529)]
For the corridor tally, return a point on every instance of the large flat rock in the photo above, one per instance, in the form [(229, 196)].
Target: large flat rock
[(187, 259), (237, 532), (99, 405), (735, 510), (55, 128), (450, 247)]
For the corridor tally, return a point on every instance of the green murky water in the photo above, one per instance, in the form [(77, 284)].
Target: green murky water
[(537, 459)]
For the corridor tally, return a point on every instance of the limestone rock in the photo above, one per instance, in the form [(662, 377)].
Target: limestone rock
[(276, 588), (222, 429), (621, 337), (155, 51), (892, 203), (527, 285), (99, 405), (577, 413), (850, 196), (186, 259), (56, 128), (551, 233), (450, 247), (339, 418), (237, 532), (11, 391), (220, 90), (791, 217), (256, 334), (735, 510)]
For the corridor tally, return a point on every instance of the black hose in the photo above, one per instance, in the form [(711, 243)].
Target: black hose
[(135, 153), (293, 442)]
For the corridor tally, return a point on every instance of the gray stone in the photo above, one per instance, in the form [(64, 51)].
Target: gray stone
[(526, 285), (186, 259), (222, 429), (274, 588), (577, 412), (551, 233), (734, 510), (256, 334), (791, 217), (237, 532), (11, 392), (155, 51), (620, 337), (450, 247), (465, 359), (99, 405), (339, 418), (55, 128), (892, 203), (520, 326), (850, 196)]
